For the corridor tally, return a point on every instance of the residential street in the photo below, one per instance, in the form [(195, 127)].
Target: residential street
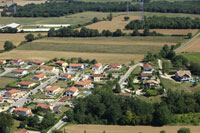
[(121, 81), (58, 125), (23, 100), (7, 70)]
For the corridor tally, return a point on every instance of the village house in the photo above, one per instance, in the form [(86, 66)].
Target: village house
[(26, 84), (20, 72), (83, 84), (45, 68), (146, 76), (22, 111), (71, 92), (115, 66), (39, 77), (22, 131), (76, 66), (183, 75), (43, 106), (12, 93), (52, 90), (97, 67), (1, 98), (97, 77), (2, 62), (66, 76), (62, 63), (152, 83), (147, 68), (36, 62), (16, 62)]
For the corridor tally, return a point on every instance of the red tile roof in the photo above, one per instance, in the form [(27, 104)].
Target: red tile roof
[(146, 74), (52, 88), (60, 62), (12, 91), (98, 75), (115, 65), (18, 70), (2, 61), (145, 66), (98, 65), (21, 109), (21, 131), (182, 73), (42, 105), (75, 65), (41, 75), (36, 61), (83, 83), (65, 74), (46, 67), (73, 89), (26, 83)]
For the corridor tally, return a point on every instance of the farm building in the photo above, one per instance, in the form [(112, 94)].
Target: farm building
[(183, 75)]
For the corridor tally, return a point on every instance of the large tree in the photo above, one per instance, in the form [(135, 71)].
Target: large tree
[(8, 46)]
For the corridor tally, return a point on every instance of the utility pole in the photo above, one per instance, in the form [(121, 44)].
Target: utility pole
[(142, 13)]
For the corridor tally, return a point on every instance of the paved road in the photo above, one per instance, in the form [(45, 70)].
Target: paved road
[(188, 42), (121, 81), (7, 70), (23, 100), (58, 125)]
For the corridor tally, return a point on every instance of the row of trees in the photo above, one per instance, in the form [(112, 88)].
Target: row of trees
[(162, 22), (84, 32), (56, 9), (103, 107)]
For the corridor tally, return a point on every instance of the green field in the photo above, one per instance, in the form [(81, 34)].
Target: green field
[(102, 44), (194, 57), (187, 87), (74, 19), (79, 18), (5, 81)]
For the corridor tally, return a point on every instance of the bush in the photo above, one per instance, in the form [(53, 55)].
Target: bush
[(8, 46), (163, 131), (184, 130)]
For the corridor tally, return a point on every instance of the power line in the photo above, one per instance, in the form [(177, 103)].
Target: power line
[(142, 13)]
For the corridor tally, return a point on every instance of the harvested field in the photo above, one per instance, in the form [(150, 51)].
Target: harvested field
[(15, 38), (126, 129), (194, 46), (104, 49), (24, 2), (116, 23), (46, 55)]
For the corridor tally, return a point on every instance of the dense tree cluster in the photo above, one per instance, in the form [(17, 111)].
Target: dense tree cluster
[(6, 121), (8, 30), (84, 32), (103, 107), (162, 22), (56, 9)]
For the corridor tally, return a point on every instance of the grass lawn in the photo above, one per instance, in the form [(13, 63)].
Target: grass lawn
[(5, 81), (194, 57), (137, 70), (39, 95), (61, 83), (63, 109), (153, 99), (187, 87)]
